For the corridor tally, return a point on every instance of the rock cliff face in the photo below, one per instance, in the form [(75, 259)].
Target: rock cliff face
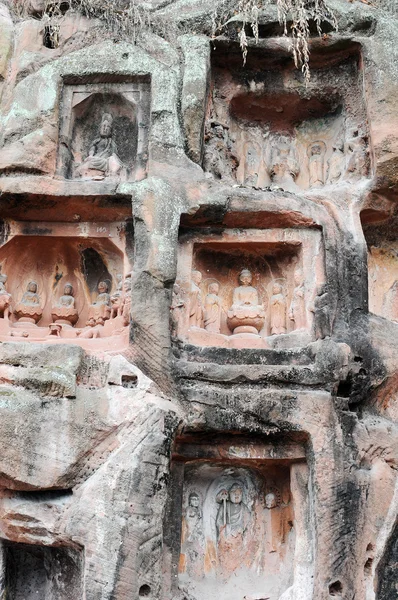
[(198, 309)]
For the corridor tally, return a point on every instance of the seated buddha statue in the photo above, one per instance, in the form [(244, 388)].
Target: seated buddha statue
[(246, 314)]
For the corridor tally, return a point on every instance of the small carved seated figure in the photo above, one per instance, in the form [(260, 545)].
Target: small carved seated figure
[(246, 314), (100, 310), (212, 309), (28, 310), (64, 311), (102, 160), (5, 298), (117, 298)]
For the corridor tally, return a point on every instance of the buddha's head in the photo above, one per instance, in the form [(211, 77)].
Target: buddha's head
[(245, 277), (196, 277), (106, 125), (214, 288), (32, 287), (277, 288), (193, 500), (102, 287), (236, 493), (68, 289)]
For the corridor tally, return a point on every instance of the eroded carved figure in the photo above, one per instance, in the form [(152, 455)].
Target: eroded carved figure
[(192, 537), (219, 157), (64, 311), (246, 314), (212, 309), (358, 162), (28, 310), (195, 300), (272, 498), (232, 521), (102, 155), (316, 157), (278, 310), (322, 316), (335, 164), (5, 298), (100, 310), (284, 166), (297, 310)]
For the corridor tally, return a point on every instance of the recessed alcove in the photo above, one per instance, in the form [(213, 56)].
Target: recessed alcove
[(213, 303), (66, 282), (266, 128), (33, 572), (104, 129), (231, 527)]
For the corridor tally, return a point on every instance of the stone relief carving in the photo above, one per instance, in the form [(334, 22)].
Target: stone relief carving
[(335, 164), (246, 314), (358, 159), (219, 158), (195, 300), (100, 310), (297, 310), (278, 310), (234, 530), (5, 298), (64, 311), (102, 160), (316, 158), (212, 309), (284, 165), (322, 315), (28, 310)]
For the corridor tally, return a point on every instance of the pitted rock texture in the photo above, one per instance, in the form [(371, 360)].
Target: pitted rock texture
[(144, 466)]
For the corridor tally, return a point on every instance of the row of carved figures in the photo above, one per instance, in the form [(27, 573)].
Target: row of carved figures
[(247, 314), (64, 312), (279, 164)]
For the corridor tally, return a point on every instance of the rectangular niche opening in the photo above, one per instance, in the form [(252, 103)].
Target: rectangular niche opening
[(285, 266), (265, 128), (104, 128), (238, 518), (42, 572)]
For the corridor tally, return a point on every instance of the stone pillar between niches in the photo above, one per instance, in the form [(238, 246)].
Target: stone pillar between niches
[(304, 525), (2, 569)]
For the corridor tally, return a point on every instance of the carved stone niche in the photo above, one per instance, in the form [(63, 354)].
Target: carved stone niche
[(238, 519), (248, 288), (33, 571), (383, 279), (104, 131), (66, 282), (263, 130)]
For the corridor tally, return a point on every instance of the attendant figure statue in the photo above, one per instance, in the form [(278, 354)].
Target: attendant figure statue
[(195, 300), (278, 310), (212, 309), (358, 158), (284, 167), (126, 301), (232, 522), (246, 314), (117, 298), (316, 156), (100, 310), (297, 311), (192, 538), (64, 311), (28, 310), (102, 156), (335, 165), (322, 317), (5, 298)]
